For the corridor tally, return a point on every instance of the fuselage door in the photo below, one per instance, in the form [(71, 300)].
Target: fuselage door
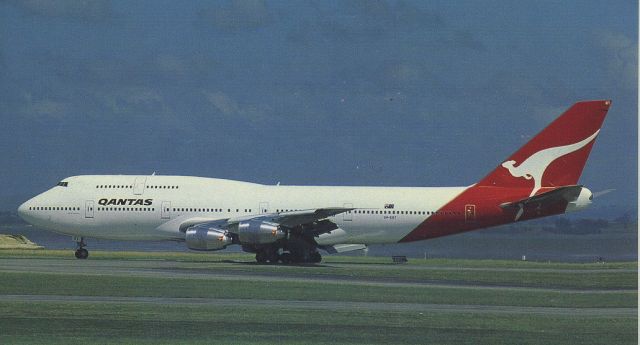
[(138, 185), (264, 207), (469, 213), (165, 213), (347, 216), (88, 209)]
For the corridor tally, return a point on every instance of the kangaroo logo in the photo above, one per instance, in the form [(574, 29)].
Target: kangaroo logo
[(535, 166)]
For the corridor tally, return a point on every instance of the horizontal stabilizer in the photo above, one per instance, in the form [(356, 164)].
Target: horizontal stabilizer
[(566, 193)]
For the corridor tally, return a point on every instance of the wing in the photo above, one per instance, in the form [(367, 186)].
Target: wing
[(310, 222), (295, 218)]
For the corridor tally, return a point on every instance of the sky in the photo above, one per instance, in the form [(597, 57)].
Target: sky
[(381, 93)]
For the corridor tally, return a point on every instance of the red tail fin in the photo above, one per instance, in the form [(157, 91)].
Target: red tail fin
[(557, 155), (553, 158)]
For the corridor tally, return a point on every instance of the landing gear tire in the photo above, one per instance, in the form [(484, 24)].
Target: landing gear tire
[(261, 258), (316, 257), (267, 254), (273, 258), (81, 253), (285, 258)]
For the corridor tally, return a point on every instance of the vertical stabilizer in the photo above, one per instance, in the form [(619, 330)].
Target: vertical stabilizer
[(557, 155)]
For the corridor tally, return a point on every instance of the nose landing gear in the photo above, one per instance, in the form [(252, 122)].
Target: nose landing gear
[(81, 253)]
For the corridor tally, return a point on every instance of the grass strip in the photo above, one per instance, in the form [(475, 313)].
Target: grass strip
[(110, 285), (95, 323)]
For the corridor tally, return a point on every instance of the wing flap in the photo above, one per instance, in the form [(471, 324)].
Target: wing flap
[(295, 218), (343, 248)]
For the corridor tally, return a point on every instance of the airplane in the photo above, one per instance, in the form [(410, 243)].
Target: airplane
[(290, 224)]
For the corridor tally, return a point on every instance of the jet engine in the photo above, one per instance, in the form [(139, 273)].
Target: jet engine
[(207, 239), (259, 232)]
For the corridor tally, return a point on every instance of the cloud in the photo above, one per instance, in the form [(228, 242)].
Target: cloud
[(463, 39), (621, 54), (375, 19), (398, 15), (407, 76), (78, 9), (95, 102), (172, 65), (135, 100), (523, 85), (223, 103), (43, 107), (146, 69), (239, 15), (546, 114), (362, 20)]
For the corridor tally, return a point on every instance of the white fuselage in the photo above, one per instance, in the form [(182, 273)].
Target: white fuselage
[(127, 207)]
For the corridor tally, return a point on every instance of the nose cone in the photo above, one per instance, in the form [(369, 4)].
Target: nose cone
[(23, 210)]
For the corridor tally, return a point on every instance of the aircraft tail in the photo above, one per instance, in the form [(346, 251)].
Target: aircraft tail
[(538, 180), (557, 155)]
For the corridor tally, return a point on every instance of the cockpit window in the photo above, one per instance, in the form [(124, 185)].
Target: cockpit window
[(63, 184)]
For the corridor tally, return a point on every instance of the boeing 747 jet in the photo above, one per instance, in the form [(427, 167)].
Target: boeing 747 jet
[(292, 223)]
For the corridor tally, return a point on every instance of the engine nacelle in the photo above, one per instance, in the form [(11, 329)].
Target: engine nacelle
[(582, 201), (259, 232), (207, 239)]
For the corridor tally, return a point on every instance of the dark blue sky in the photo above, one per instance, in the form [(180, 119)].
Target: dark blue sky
[(394, 93)]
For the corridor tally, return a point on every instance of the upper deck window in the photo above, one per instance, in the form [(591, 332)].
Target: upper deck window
[(62, 184)]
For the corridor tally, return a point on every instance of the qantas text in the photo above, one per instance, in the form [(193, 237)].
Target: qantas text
[(129, 202)]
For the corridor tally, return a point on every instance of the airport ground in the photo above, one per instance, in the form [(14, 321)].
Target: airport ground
[(47, 296)]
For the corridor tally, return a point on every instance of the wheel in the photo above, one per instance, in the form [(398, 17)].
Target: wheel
[(285, 258), (316, 257), (272, 257), (261, 257), (82, 253)]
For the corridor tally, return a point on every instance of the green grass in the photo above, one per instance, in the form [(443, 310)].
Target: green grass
[(76, 322), (621, 275), (101, 285), (605, 278), (95, 323)]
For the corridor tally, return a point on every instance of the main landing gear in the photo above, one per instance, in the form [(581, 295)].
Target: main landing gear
[(81, 253), (267, 254), (271, 255), (296, 249)]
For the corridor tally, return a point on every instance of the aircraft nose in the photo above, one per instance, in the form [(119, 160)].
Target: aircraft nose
[(23, 209)]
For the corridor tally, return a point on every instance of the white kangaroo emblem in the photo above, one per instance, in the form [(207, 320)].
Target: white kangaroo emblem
[(535, 166)]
